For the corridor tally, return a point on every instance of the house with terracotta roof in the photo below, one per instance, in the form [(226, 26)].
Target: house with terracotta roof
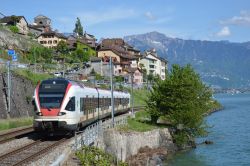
[(124, 57), (50, 39), (87, 39), (19, 21)]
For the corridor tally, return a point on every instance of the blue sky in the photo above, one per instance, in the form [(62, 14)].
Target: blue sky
[(187, 19)]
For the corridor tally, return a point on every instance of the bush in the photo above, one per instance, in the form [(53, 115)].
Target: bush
[(90, 155), (182, 99), (14, 29)]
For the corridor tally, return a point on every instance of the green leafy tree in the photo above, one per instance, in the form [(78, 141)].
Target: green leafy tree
[(62, 47), (40, 55), (63, 50), (78, 27), (182, 99)]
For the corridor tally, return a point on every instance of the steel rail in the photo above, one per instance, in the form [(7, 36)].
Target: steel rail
[(19, 149), (5, 137), (39, 153)]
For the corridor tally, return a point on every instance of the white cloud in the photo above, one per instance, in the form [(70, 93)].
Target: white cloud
[(242, 19), (157, 19), (225, 31), (150, 16)]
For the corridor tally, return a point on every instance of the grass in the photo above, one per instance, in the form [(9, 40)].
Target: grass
[(33, 77), (140, 97), (140, 123), (6, 124)]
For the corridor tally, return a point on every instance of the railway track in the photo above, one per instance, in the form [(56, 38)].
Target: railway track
[(5, 137), (29, 152)]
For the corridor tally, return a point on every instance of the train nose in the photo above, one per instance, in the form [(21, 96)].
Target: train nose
[(50, 111)]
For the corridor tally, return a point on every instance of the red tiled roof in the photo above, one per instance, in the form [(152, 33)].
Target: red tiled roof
[(120, 53), (60, 35)]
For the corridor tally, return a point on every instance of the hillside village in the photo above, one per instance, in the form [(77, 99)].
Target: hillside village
[(128, 62)]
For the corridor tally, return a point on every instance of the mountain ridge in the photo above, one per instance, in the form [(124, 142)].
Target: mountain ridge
[(220, 63)]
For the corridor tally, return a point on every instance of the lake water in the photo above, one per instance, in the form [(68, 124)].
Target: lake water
[(230, 133)]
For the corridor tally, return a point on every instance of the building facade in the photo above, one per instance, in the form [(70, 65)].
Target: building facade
[(124, 57), (50, 39), (18, 21), (153, 64), (40, 25)]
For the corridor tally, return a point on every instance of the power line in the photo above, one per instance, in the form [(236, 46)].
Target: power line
[(2, 14)]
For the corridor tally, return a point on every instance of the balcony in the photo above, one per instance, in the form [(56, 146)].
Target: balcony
[(152, 67)]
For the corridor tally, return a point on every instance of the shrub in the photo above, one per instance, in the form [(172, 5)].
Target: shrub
[(14, 29), (90, 155)]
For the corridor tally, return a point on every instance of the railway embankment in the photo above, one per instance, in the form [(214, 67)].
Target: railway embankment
[(138, 148)]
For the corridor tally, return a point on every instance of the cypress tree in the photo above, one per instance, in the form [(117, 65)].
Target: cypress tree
[(78, 27)]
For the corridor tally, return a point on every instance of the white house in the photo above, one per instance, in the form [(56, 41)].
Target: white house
[(153, 64)]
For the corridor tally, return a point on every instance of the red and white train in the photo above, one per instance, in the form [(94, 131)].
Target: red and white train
[(65, 105)]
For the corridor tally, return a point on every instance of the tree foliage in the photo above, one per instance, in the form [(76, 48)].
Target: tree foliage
[(62, 47), (40, 55), (83, 52), (78, 27), (182, 99)]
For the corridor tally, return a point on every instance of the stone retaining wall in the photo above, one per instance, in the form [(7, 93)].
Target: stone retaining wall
[(126, 144)]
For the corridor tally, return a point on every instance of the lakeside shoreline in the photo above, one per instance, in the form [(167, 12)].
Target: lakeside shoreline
[(161, 156)]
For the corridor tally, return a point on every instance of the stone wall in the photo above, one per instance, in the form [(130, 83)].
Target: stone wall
[(126, 144), (18, 41), (21, 95)]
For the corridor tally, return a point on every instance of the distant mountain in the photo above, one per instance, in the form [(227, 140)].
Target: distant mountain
[(220, 63)]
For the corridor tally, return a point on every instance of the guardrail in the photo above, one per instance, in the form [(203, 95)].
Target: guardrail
[(88, 136), (91, 133)]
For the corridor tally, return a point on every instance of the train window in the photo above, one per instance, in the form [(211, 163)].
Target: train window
[(81, 105), (71, 105)]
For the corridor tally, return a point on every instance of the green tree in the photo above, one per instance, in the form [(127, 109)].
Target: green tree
[(182, 99), (40, 55), (62, 47), (78, 27)]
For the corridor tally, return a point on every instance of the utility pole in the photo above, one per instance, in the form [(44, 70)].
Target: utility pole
[(112, 91), (98, 102), (63, 67), (132, 94), (9, 88), (35, 58)]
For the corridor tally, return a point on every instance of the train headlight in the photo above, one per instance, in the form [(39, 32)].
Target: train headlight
[(61, 113), (39, 114)]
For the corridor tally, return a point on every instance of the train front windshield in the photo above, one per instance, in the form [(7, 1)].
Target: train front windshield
[(51, 100), (51, 93)]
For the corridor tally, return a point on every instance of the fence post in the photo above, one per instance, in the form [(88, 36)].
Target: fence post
[(75, 142), (82, 141)]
